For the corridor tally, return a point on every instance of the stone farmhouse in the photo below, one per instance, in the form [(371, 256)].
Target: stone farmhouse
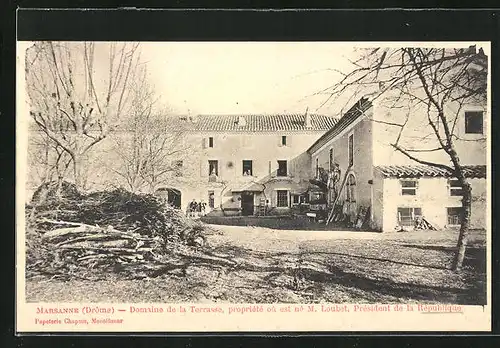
[(241, 164), (393, 188), (271, 164)]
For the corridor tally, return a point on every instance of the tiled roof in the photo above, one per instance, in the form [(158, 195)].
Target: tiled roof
[(256, 123), (252, 123), (423, 171), (347, 119)]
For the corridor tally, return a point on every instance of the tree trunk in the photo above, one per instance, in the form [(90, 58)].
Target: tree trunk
[(77, 171), (464, 227)]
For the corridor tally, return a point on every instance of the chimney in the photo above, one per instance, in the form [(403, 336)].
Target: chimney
[(242, 122), (191, 118), (307, 120)]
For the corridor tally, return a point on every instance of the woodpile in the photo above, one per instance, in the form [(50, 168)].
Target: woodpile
[(423, 224), (80, 248), (89, 236)]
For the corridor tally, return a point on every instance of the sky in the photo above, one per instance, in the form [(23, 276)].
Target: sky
[(249, 77), (246, 77)]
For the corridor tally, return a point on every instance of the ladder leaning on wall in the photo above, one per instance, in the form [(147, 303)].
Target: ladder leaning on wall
[(338, 195)]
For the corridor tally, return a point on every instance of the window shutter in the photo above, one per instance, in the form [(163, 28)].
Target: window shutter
[(204, 143), (272, 173)]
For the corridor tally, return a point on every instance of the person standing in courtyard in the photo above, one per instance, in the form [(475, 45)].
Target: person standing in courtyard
[(203, 207), (192, 208)]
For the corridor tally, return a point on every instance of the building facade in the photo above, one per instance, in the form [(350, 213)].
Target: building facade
[(263, 164), (396, 190), (235, 164), (245, 164)]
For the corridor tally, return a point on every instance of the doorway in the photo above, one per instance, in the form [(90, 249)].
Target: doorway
[(247, 204), (351, 196), (174, 198), (171, 195)]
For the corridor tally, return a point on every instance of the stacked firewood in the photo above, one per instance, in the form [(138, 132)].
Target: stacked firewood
[(422, 224)]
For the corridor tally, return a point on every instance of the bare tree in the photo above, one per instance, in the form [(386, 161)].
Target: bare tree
[(437, 82), (78, 93), (150, 147), (48, 160)]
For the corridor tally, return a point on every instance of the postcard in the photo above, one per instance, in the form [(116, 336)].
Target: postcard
[(253, 186)]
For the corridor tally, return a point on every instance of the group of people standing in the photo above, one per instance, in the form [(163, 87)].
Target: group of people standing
[(196, 209)]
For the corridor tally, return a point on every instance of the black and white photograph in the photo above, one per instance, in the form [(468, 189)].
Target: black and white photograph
[(287, 173)]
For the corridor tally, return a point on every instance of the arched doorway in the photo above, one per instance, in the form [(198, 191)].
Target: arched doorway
[(173, 196), (351, 196)]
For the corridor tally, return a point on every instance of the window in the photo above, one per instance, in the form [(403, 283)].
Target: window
[(282, 198), (283, 140), (351, 150), (330, 159), (408, 187), (213, 167), (407, 216), (317, 167), (247, 167), (455, 188), (177, 167), (474, 122), (454, 215), (211, 142), (282, 168), (211, 199), (300, 199)]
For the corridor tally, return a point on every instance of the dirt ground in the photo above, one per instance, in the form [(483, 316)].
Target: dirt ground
[(261, 265)]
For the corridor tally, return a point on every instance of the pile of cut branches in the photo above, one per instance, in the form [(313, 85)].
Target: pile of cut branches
[(80, 249), (70, 234)]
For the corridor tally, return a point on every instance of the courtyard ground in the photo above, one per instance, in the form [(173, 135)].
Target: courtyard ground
[(245, 264)]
